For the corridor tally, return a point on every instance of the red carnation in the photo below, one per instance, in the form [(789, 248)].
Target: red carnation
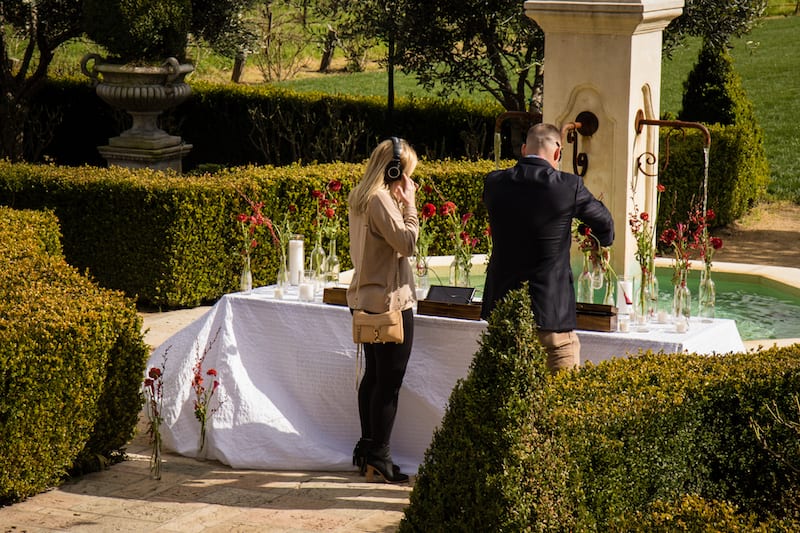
[(447, 208)]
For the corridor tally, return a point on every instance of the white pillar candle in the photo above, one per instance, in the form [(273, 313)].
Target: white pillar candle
[(306, 291), (624, 326), (681, 326), (296, 258), (663, 318), (278, 294)]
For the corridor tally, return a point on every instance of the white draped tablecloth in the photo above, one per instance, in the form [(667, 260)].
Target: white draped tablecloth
[(287, 373)]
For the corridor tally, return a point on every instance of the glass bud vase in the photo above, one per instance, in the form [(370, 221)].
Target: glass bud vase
[(651, 295), (318, 259), (583, 290), (459, 273), (332, 265), (421, 280), (609, 298), (246, 278), (707, 296), (682, 297)]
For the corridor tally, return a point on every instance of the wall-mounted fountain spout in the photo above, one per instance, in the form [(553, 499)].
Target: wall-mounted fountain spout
[(527, 118), (586, 124), (674, 124)]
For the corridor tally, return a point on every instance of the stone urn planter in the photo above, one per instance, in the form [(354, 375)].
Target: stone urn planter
[(144, 92)]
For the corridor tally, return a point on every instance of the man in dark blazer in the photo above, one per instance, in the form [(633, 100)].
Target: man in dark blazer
[(531, 207)]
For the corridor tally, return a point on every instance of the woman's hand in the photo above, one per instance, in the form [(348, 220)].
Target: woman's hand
[(404, 190)]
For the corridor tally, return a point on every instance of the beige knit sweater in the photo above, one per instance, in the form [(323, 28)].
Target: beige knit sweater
[(384, 236)]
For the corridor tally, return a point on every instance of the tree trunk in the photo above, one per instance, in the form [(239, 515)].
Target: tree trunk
[(327, 50), (390, 90), (238, 66)]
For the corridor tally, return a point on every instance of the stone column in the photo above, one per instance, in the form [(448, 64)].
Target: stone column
[(605, 57)]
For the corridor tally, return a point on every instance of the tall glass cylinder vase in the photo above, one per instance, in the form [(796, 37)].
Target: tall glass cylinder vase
[(332, 265), (682, 297), (707, 296), (651, 293), (583, 288)]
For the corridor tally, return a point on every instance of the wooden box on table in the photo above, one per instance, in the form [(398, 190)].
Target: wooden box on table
[(597, 317)]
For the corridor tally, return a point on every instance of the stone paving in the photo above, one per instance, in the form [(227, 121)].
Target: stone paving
[(206, 496)]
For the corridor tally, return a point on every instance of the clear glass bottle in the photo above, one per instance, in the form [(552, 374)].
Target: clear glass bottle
[(583, 290), (332, 265), (682, 297), (707, 296), (246, 277)]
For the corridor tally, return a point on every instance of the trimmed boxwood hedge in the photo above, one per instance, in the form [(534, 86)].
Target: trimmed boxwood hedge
[(172, 241), (653, 442), (71, 360)]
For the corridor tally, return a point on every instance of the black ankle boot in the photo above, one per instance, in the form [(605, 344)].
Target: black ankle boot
[(379, 459), (360, 455)]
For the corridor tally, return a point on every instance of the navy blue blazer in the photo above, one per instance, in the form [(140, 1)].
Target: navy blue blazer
[(531, 206)]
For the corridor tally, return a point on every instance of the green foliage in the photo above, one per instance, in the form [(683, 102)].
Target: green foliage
[(715, 22), (153, 30), (493, 464), (71, 360), (713, 92), (236, 125), (499, 52), (659, 427), (738, 173)]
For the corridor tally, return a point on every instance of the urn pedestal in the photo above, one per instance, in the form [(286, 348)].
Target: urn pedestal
[(144, 92)]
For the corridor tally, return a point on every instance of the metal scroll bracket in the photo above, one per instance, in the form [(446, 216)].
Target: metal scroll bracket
[(585, 124)]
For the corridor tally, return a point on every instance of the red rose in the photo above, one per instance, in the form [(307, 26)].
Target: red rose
[(334, 185), (428, 210), (660, 188), (317, 194), (710, 215), (211, 372), (330, 213), (644, 216), (242, 217), (716, 243), (155, 372), (447, 208)]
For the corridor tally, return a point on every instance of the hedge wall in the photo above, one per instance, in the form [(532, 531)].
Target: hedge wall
[(172, 241), (71, 358), (235, 125)]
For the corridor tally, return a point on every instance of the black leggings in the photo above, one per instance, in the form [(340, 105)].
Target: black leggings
[(380, 387)]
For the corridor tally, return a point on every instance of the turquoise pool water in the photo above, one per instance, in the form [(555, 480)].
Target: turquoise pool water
[(760, 311)]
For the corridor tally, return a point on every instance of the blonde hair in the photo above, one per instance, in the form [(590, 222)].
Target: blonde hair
[(372, 180)]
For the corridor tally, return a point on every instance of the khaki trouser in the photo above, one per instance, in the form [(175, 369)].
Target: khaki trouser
[(563, 349)]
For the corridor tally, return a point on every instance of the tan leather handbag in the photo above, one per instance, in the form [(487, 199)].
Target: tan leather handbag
[(377, 328)]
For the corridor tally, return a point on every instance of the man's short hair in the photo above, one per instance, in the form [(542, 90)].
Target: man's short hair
[(541, 135)]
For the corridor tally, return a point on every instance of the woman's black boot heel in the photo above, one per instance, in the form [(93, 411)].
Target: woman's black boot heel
[(360, 455), (380, 460)]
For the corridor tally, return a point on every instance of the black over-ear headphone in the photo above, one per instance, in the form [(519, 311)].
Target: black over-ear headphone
[(394, 169)]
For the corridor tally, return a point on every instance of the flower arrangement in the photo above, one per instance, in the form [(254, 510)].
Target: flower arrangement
[(677, 238), (327, 204), (203, 394), (702, 241), (425, 237), (153, 391), (463, 243), (643, 227), (599, 258)]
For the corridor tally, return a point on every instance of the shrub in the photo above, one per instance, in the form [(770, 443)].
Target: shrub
[(72, 357), (493, 464)]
